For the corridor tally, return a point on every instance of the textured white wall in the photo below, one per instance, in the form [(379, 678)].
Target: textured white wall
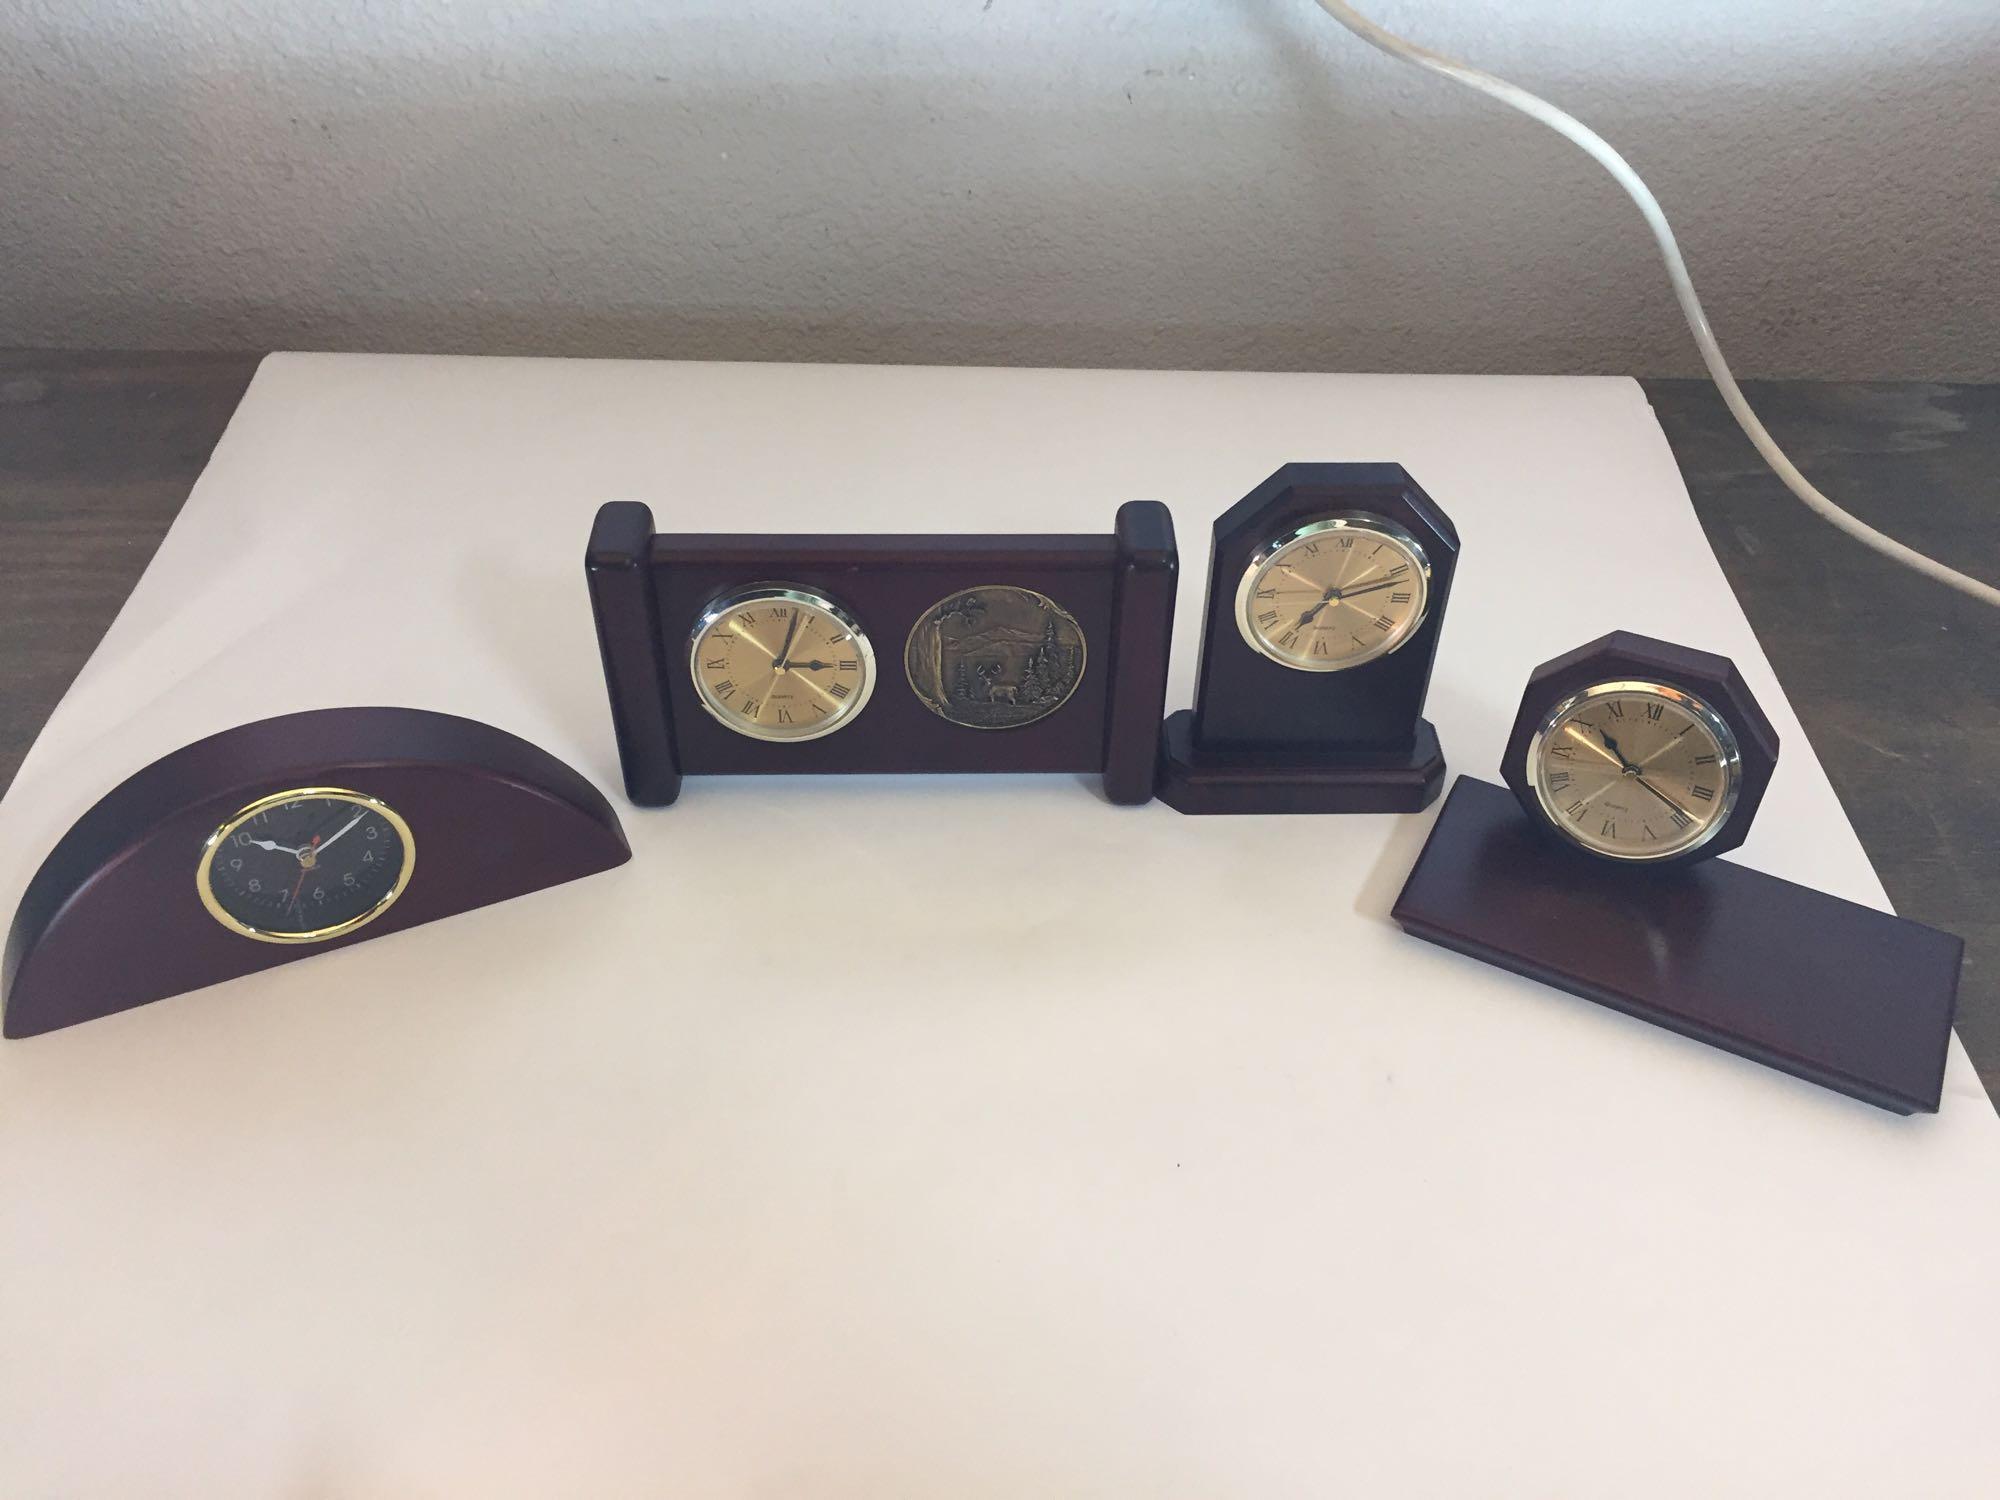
[(1151, 182)]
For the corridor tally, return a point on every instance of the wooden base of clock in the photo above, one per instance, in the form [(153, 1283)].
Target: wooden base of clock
[(1839, 994), (1199, 781)]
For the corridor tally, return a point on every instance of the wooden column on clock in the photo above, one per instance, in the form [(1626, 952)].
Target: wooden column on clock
[(1266, 738)]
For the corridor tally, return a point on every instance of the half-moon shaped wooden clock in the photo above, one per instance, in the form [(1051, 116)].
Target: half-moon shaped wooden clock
[(284, 838), (1326, 592)]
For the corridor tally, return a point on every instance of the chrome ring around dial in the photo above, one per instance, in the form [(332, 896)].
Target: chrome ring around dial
[(1334, 593), (780, 663)]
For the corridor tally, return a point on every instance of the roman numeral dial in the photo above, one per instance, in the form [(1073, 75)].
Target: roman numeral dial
[(781, 663), (1334, 593), (1635, 770)]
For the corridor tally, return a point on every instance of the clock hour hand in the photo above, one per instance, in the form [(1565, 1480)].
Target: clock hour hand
[(1623, 763), (275, 848), (808, 666), (1585, 740)]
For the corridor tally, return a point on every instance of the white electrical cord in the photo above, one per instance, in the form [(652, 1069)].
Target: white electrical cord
[(1656, 220)]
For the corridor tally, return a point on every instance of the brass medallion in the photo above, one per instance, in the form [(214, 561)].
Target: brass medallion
[(995, 657)]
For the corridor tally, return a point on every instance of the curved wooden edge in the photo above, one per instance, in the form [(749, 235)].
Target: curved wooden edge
[(112, 919)]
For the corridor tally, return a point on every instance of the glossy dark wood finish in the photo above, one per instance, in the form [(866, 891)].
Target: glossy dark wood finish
[(1142, 637), (618, 568), (1890, 675), (113, 919), (1118, 586), (1623, 655), (1243, 699), (1237, 782), (1839, 994), (1266, 738)]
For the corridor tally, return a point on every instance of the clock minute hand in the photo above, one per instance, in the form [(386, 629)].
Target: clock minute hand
[(782, 661), (1340, 595), (1367, 588), (343, 829), (1664, 798)]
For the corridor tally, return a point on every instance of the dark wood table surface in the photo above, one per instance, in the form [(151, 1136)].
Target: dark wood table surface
[(1896, 680)]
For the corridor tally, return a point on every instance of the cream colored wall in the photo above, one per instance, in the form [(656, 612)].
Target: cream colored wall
[(1224, 183)]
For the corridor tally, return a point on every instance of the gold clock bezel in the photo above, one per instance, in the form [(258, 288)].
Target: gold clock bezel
[(784, 593), (295, 794), (1356, 521), (1729, 761)]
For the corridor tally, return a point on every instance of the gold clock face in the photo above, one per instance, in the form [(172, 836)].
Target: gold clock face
[(780, 663), (1635, 770), (1334, 593), (305, 865)]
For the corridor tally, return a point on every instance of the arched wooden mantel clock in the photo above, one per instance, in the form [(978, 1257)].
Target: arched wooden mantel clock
[(1327, 589)]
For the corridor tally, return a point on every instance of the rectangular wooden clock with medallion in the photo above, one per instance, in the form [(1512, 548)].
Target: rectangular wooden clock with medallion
[(755, 654)]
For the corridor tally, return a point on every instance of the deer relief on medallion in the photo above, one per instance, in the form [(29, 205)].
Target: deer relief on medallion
[(995, 657)]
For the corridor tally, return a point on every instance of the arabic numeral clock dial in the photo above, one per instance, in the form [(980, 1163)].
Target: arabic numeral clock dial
[(305, 865), (781, 663), (1334, 593), (1639, 751)]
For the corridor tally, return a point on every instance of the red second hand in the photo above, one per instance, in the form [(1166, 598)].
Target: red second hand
[(303, 867)]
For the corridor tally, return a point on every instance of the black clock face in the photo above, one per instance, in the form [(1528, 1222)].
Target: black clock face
[(304, 866)]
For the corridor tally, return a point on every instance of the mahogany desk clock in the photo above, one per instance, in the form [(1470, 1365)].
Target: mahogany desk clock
[(1327, 589), (287, 837), (799, 655), (1632, 761)]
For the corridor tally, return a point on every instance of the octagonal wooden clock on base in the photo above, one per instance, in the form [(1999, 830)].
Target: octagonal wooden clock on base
[(1327, 589), (1632, 763), (1639, 751)]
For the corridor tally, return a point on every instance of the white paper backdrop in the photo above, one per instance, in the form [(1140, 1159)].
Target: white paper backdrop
[(1101, 1151)]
